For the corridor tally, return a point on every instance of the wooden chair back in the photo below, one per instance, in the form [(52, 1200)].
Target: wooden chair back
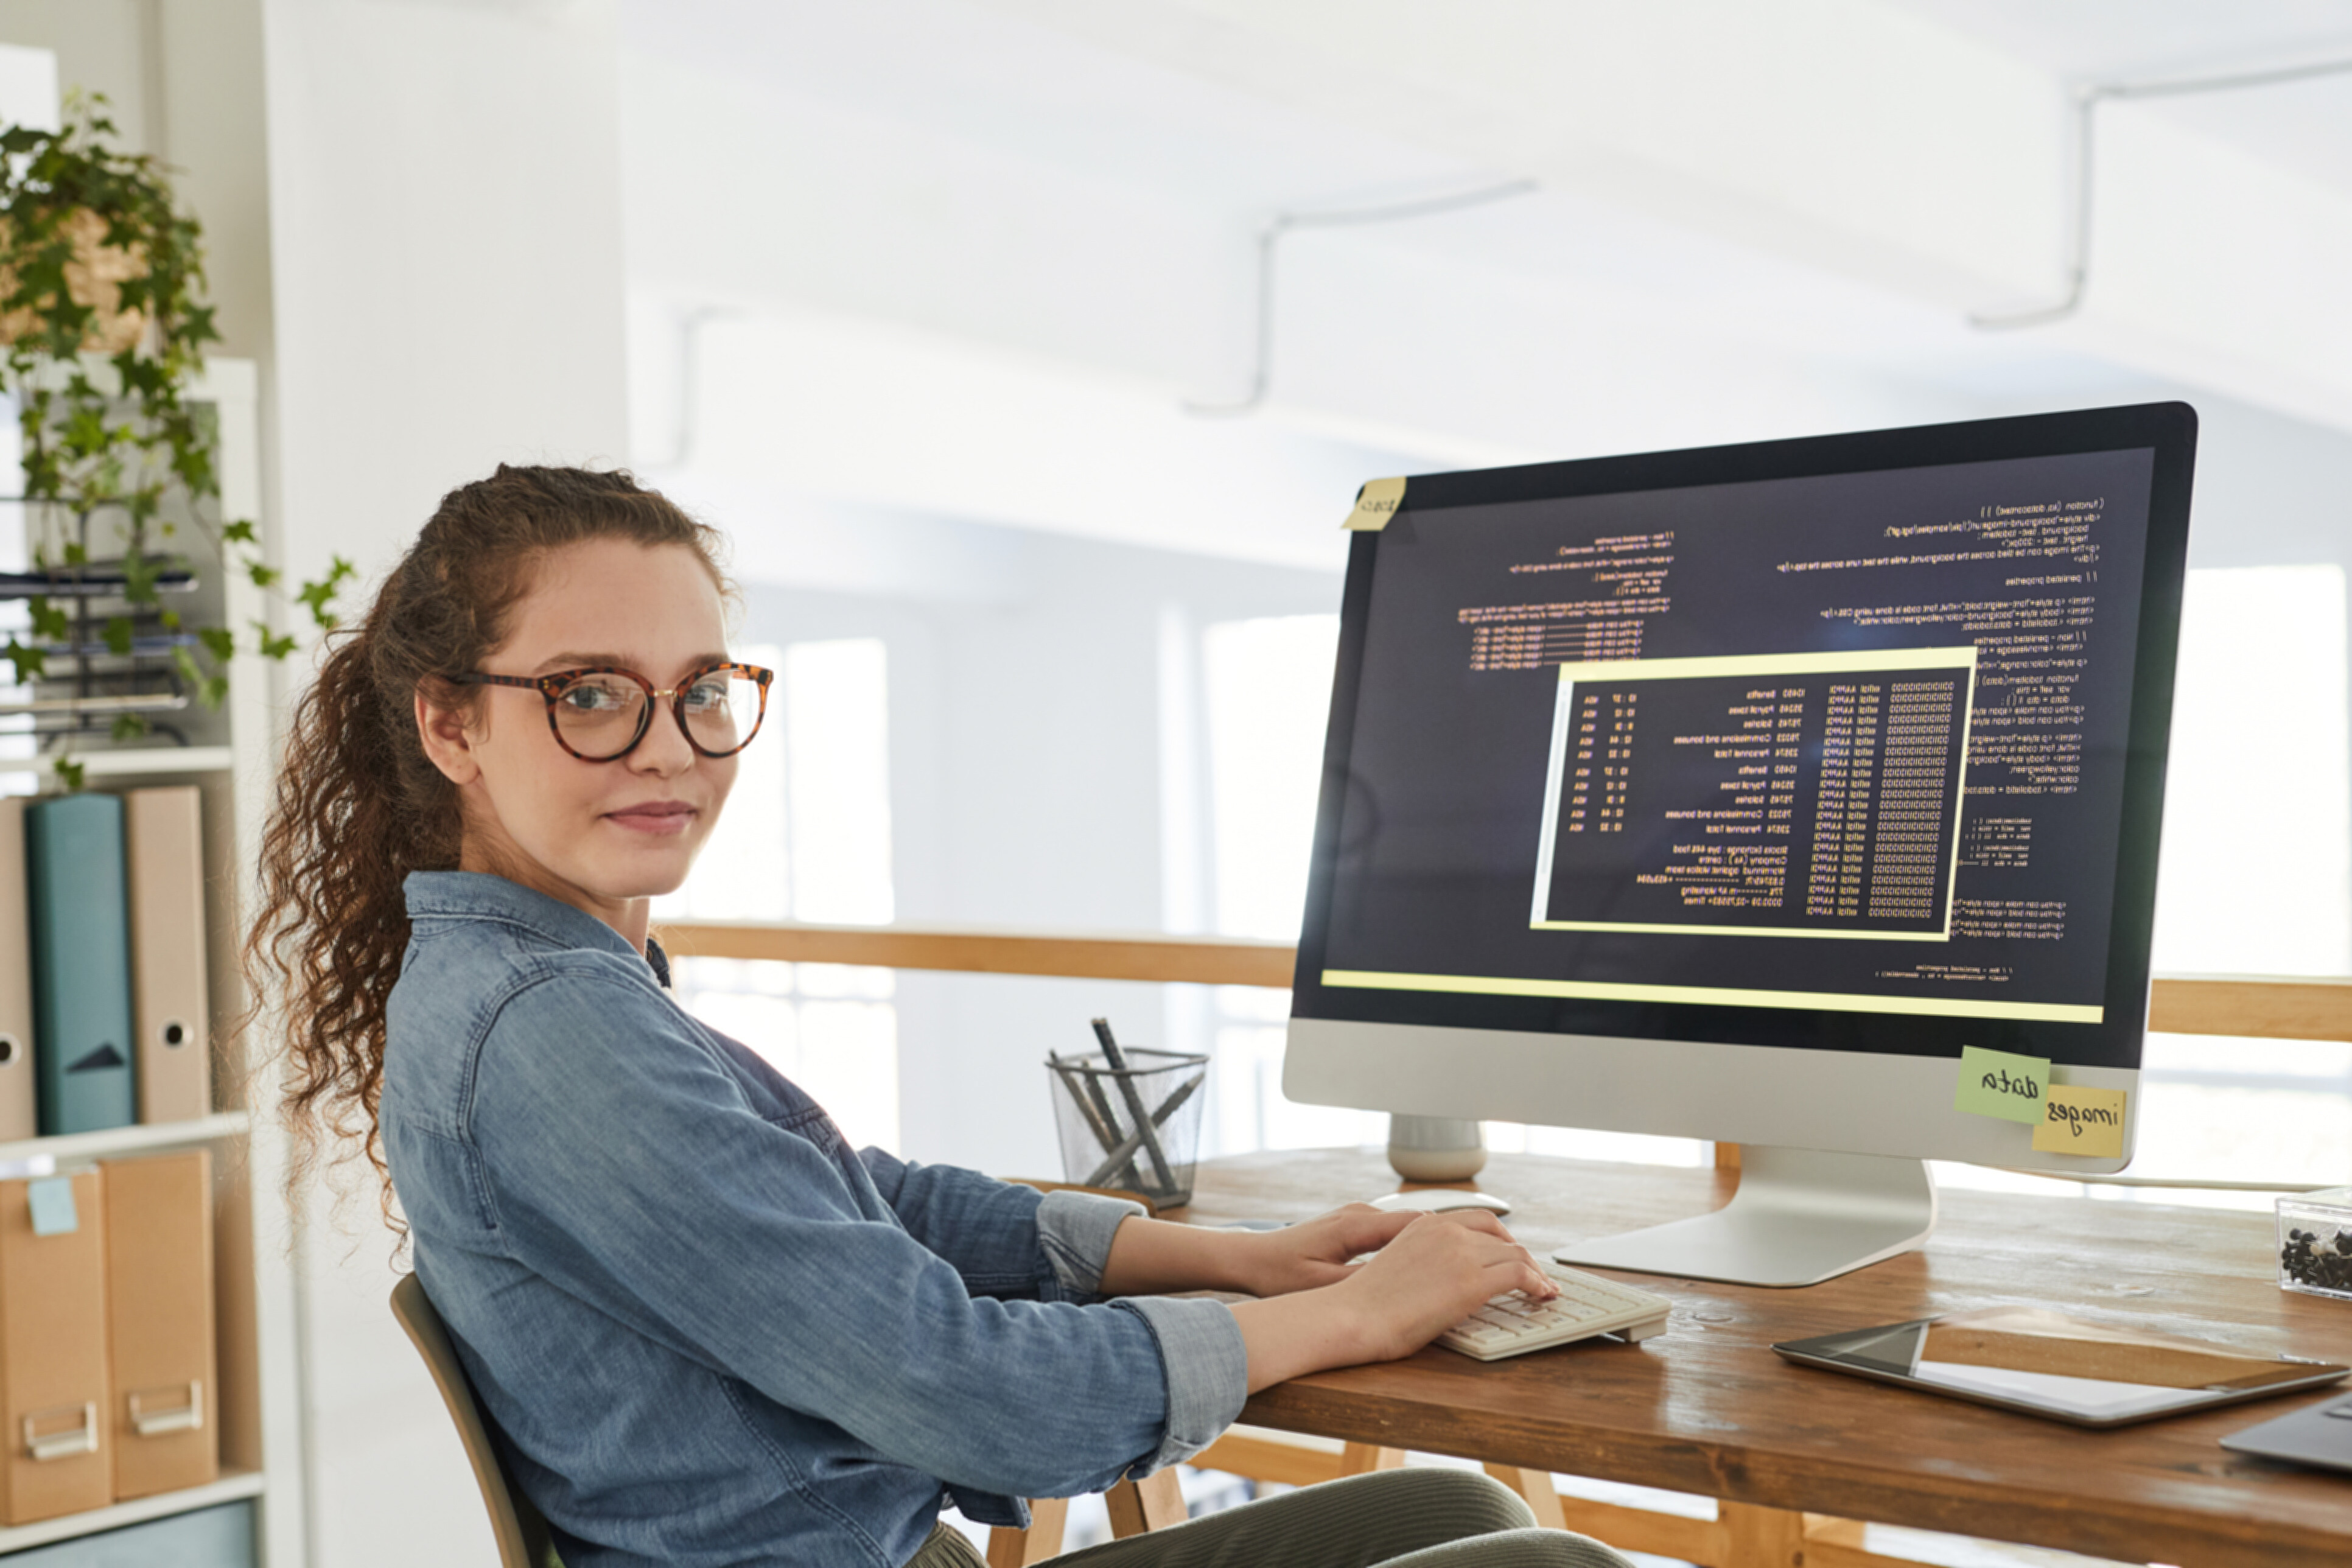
[(522, 1534)]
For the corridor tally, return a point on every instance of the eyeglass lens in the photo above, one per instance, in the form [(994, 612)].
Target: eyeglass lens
[(601, 716)]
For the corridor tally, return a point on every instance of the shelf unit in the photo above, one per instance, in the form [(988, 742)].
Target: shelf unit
[(259, 1401), (235, 1486), (220, 1126), (156, 760)]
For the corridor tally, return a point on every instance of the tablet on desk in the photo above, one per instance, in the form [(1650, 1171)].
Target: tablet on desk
[(2046, 1363)]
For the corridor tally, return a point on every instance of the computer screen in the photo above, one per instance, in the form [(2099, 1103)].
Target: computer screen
[(1839, 750)]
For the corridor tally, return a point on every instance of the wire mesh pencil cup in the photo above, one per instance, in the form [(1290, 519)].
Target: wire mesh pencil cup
[(1137, 1127)]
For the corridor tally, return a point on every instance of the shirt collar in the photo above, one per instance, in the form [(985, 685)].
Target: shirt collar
[(476, 895)]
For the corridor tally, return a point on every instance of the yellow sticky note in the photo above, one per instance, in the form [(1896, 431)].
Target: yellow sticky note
[(2082, 1121), (1375, 503)]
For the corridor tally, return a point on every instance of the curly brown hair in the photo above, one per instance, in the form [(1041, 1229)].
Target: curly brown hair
[(359, 805)]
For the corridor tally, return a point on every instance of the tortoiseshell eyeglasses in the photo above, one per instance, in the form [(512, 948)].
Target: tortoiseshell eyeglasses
[(600, 715)]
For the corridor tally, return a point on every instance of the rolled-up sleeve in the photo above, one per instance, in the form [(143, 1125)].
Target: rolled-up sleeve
[(1208, 1370), (1076, 1229)]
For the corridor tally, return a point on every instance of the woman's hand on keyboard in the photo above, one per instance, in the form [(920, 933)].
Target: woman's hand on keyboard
[(1439, 1270), (1434, 1271)]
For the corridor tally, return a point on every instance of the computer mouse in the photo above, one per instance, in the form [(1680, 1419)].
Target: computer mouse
[(1437, 1200)]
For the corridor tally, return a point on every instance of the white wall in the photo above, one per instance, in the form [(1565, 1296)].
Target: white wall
[(447, 244), (446, 251)]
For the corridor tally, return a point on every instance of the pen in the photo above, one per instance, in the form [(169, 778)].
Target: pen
[(1134, 1096)]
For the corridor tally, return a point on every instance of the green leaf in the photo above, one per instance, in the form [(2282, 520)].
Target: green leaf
[(273, 647), (129, 726), (214, 692), (118, 635), (319, 594), (171, 620), (69, 774), (240, 531), (30, 662), (50, 623), (219, 642), (263, 576), (138, 578)]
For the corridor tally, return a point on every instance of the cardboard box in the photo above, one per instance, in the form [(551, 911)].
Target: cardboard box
[(165, 1426), (53, 1394)]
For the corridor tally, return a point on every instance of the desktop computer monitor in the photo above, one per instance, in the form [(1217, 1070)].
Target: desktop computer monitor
[(1734, 793)]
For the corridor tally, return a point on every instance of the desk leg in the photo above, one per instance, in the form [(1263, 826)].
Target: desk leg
[(1155, 1502), (1362, 1458), (1534, 1486), (1009, 1548), (1761, 1537)]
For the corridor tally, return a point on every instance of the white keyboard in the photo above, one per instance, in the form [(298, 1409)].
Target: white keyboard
[(1587, 1304)]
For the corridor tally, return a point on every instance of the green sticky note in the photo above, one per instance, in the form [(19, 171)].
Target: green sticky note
[(53, 1206), (1995, 1083)]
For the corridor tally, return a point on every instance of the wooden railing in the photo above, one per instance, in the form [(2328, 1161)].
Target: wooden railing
[(2275, 1008), (1199, 961)]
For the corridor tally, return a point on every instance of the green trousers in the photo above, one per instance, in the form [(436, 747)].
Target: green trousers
[(1422, 1518)]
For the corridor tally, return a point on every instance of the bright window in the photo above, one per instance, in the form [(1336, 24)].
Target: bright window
[(836, 713), (1266, 695), (1268, 684), (2256, 877)]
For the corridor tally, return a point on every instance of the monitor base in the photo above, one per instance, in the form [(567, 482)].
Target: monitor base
[(1800, 1216)]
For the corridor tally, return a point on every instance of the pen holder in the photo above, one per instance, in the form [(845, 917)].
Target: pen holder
[(1137, 1127)]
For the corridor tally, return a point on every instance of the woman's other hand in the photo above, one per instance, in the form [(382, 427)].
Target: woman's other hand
[(1438, 1270)]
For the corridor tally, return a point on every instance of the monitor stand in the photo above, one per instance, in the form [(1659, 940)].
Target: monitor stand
[(1800, 1216)]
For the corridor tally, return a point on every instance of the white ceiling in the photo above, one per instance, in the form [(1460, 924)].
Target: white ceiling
[(1064, 182), (984, 77), (2304, 126), (1030, 91)]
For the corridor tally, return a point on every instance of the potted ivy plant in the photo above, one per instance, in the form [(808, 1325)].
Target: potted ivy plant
[(104, 327)]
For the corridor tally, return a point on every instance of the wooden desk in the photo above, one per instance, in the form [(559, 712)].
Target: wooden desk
[(1707, 1408)]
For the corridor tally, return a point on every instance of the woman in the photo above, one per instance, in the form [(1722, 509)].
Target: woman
[(706, 1331)]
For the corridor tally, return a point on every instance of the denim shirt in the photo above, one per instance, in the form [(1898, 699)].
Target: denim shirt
[(706, 1331)]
